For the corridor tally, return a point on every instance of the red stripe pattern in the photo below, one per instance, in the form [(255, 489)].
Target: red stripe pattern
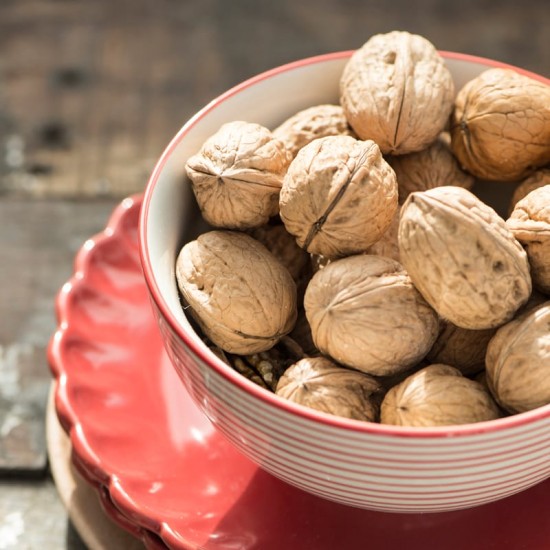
[(360, 464), (367, 470)]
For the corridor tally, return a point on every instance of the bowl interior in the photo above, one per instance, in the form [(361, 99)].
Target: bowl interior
[(170, 216)]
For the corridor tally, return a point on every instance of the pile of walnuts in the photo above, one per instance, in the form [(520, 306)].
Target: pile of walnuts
[(348, 248)]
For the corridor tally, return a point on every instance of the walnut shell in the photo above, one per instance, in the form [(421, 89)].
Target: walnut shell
[(437, 395), (365, 313), (432, 167), (339, 196), (283, 246), (530, 225), (312, 123), (237, 175), (266, 367), (462, 258), (534, 181), (535, 300), (518, 361), (388, 244), (320, 384), (243, 298), (397, 91), (301, 334), (501, 125), (461, 348), (481, 377)]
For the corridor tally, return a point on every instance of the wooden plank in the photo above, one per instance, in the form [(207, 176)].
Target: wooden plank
[(91, 92), (32, 516), (37, 245)]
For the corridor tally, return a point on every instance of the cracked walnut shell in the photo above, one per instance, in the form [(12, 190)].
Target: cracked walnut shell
[(312, 123), (237, 175), (397, 91), (518, 361), (365, 313), (338, 197), (462, 258), (318, 383), (242, 297), (437, 395), (500, 126), (530, 224)]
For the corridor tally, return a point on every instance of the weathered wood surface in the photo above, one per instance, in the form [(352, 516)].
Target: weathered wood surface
[(38, 243), (90, 94)]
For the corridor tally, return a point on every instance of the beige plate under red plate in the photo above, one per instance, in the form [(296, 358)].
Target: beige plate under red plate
[(168, 476), (96, 529)]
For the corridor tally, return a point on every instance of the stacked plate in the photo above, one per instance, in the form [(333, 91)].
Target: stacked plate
[(167, 476)]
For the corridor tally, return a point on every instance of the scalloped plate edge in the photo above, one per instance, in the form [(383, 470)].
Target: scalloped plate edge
[(115, 501)]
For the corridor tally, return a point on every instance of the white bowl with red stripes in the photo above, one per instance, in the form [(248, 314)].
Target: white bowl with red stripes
[(357, 463)]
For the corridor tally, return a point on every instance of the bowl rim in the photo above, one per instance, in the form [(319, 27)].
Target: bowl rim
[(236, 379)]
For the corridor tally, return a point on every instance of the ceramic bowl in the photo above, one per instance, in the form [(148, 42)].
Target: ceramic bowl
[(361, 464)]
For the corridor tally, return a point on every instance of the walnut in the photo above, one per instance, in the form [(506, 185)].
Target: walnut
[(397, 91), (534, 181), (432, 167), (365, 313), (339, 196), (266, 367), (501, 125), (535, 300), (301, 334), (461, 348), (437, 395), (388, 244), (518, 361), (530, 225), (481, 377), (237, 175), (462, 258), (283, 246), (392, 380), (242, 297), (320, 384), (312, 123)]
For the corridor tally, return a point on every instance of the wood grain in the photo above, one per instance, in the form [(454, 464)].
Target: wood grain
[(91, 92)]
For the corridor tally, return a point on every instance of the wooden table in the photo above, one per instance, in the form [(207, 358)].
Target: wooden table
[(90, 93)]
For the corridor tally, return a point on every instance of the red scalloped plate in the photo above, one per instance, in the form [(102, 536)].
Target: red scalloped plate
[(165, 474)]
